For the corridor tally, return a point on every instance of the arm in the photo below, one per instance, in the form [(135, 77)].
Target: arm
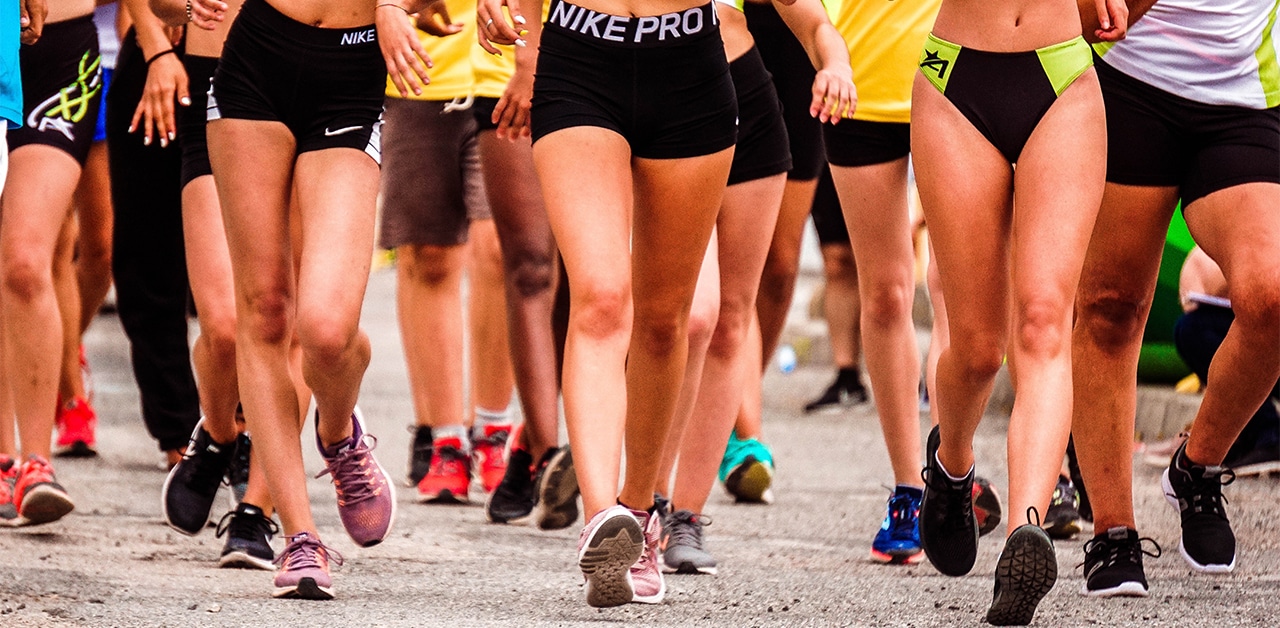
[(834, 95), (203, 13), (1092, 12), (166, 77), (512, 111)]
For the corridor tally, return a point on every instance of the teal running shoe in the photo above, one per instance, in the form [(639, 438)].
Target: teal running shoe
[(747, 470)]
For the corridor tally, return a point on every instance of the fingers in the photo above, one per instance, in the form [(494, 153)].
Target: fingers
[(505, 117), (491, 26)]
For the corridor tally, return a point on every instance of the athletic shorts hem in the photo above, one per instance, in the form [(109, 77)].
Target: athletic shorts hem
[(760, 172), (1223, 184)]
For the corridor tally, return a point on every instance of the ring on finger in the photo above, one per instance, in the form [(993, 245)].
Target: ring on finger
[(488, 23)]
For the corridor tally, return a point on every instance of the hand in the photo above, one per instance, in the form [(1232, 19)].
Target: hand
[(492, 26), (426, 20), (207, 14), (33, 13), (1113, 18), (166, 82), (834, 96), (407, 61), (512, 111)]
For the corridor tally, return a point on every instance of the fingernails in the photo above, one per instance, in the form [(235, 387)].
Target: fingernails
[(146, 141), (521, 43), (132, 128), (172, 136), (519, 19), (163, 142), (185, 100)]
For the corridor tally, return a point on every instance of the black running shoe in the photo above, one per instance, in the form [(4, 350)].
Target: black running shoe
[(1113, 564), (1062, 520), (1085, 508), (1025, 573), (556, 483), (238, 472), (948, 527), (1195, 491), (419, 453), (248, 533), (514, 498), (193, 483), (844, 392)]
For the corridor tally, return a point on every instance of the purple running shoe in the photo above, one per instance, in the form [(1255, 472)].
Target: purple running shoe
[(366, 495), (304, 569)]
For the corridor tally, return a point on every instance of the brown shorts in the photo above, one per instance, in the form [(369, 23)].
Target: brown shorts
[(432, 186)]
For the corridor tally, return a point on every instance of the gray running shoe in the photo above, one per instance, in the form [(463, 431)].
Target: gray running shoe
[(681, 545)]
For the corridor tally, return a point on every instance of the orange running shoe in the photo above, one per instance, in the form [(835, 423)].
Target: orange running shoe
[(39, 497), (8, 476), (489, 453), (77, 424), (450, 474)]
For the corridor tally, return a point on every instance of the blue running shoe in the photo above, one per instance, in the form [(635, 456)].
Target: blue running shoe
[(898, 541), (747, 470)]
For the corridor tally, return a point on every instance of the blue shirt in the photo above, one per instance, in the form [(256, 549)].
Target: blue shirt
[(10, 76)]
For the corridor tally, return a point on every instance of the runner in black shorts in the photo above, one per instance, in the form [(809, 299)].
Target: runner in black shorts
[(712, 394), (61, 92), (1190, 116), (294, 111), (633, 130)]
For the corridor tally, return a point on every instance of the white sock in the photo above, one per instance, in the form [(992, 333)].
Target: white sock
[(948, 473), (452, 431)]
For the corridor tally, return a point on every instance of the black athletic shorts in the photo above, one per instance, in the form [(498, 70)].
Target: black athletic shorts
[(482, 108), (192, 120), (1155, 138), (661, 82), (763, 149), (828, 218), (853, 143), (325, 84), (61, 88), (793, 75)]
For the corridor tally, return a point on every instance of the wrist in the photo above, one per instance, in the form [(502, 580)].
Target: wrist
[(159, 55), (391, 5)]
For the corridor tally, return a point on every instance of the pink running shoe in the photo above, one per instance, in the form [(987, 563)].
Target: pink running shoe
[(646, 574), (607, 548), (366, 496), (304, 569)]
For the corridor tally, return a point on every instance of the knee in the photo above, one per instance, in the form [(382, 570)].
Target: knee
[(267, 316), (1112, 320), (1256, 304), (25, 277), (887, 303), (977, 357), (1044, 327), (731, 330), (703, 319), (219, 333), (326, 336), (778, 280), (431, 266), (659, 331), (530, 273), (602, 311)]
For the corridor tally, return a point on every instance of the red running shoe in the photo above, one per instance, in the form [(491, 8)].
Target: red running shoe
[(450, 474), (489, 452), (39, 497), (76, 424), (8, 476)]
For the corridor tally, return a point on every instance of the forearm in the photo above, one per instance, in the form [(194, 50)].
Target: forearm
[(171, 12), (150, 30), (821, 41)]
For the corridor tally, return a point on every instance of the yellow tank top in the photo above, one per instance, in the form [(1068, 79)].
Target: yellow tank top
[(492, 72), (885, 38), (452, 75)]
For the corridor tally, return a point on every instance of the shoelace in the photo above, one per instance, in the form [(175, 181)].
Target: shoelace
[(900, 507), (354, 478), (238, 472), (1105, 552), (959, 503), (261, 526), (1206, 491), (303, 552), (685, 528)]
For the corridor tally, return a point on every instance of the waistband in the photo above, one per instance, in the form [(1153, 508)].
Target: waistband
[(283, 25), (1062, 62), (631, 31)]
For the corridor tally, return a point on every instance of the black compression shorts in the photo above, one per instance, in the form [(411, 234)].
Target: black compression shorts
[(853, 143), (793, 75), (61, 88), (763, 149), (828, 218), (482, 108), (325, 84), (661, 82), (192, 120), (1155, 138)]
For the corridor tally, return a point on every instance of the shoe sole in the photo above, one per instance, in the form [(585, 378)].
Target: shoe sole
[(515, 521), (306, 589), (1025, 573), (888, 558), (443, 497), (44, 504), (1170, 496), (689, 569), (750, 482), (241, 560), (606, 561), (1124, 589), (558, 493), (78, 449), (1260, 468)]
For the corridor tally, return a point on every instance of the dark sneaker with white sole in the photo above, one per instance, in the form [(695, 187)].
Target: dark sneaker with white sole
[(1195, 491), (1025, 573), (192, 484), (420, 452), (948, 527), (1062, 520), (556, 485), (514, 498), (1113, 564), (248, 533)]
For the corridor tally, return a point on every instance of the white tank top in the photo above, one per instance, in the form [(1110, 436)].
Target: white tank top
[(1218, 52)]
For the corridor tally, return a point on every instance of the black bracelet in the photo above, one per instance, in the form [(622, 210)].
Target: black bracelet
[(169, 51), (392, 4)]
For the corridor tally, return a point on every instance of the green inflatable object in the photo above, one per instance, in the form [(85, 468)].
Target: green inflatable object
[(1159, 361)]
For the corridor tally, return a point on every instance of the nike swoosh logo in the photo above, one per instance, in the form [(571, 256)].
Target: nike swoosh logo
[(348, 129)]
